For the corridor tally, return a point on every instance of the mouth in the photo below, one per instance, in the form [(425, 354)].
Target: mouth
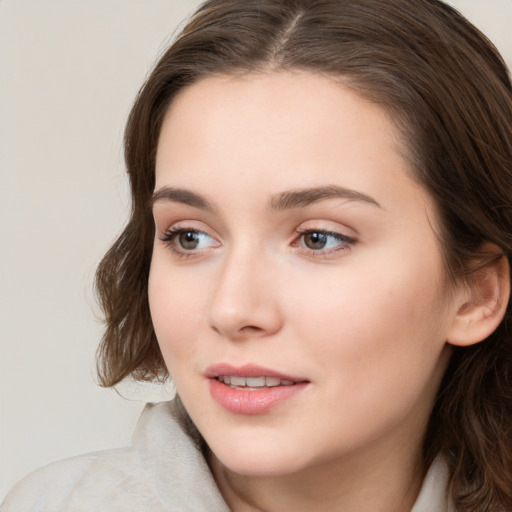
[(250, 389), (253, 383)]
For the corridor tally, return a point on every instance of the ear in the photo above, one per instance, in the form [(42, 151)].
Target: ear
[(482, 303)]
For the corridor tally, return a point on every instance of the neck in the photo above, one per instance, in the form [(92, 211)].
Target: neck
[(380, 482)]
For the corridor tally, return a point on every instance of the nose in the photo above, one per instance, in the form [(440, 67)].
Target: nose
[(244, 303)]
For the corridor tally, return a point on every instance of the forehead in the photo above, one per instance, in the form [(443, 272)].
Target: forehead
[(285, 129), (284, 99)]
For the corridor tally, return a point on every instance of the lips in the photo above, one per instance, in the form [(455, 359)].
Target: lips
[(248, 370), (251, 389), (253, 382)]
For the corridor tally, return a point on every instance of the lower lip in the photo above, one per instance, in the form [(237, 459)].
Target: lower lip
[(258, 401)]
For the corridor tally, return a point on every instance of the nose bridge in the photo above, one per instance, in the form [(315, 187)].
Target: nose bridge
[(242, 302)]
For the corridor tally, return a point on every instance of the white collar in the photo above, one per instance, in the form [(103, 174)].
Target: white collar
[(170, 449), (434, 494)]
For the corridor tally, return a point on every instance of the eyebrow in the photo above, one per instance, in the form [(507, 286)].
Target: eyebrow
[(304, 197), (180, 195), (284, 201)]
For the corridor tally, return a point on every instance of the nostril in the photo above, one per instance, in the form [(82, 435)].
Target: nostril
[(246, 330), (237, 317), (251, 329)]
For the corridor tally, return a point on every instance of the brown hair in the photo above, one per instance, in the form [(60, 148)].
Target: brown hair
[(448, 91)]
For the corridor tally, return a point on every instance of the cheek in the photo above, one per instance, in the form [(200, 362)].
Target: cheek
[(351, 304), (372, 324), (374, 348), (177, 307)]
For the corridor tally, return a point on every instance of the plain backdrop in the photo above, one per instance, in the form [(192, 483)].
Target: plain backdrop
[(69, 71)]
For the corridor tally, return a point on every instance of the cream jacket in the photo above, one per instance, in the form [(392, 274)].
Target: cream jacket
[(163, 470)]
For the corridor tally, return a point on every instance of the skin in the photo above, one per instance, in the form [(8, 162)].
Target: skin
[(364, 320)]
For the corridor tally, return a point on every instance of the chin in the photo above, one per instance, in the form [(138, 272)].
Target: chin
[(259, 461)]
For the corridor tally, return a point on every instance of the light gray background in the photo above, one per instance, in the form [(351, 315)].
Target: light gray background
[(69, 71)]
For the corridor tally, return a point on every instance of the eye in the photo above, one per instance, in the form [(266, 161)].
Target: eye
[(321, 242), (318, 241), (192, 240), (187, 240)]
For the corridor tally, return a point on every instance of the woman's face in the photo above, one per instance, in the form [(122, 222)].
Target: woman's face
[(291, 243)]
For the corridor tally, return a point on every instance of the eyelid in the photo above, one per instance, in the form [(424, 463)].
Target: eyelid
[(334, 234), (169, 235), (346, 242)]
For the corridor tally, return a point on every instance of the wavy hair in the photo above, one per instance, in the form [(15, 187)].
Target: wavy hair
[(449, 93)]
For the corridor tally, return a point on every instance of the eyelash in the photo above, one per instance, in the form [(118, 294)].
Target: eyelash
[(345, 241), (170, 235), (169, 239)]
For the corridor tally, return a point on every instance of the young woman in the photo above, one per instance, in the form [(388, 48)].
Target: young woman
[(318, 256)]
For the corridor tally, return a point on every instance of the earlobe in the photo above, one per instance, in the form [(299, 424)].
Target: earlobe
[(483, 305)]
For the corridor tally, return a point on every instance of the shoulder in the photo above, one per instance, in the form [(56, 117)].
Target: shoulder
[(164, 469), (111, 480)]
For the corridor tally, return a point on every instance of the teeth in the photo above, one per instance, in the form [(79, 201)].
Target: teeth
[(272, 381), (254, 382)]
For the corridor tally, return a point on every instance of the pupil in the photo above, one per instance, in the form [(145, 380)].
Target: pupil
[(315, 240), (188, 240)]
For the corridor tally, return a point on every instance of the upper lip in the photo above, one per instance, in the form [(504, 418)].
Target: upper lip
[(248, 370)]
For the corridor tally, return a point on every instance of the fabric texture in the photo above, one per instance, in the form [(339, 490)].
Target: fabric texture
[(164, 470)]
